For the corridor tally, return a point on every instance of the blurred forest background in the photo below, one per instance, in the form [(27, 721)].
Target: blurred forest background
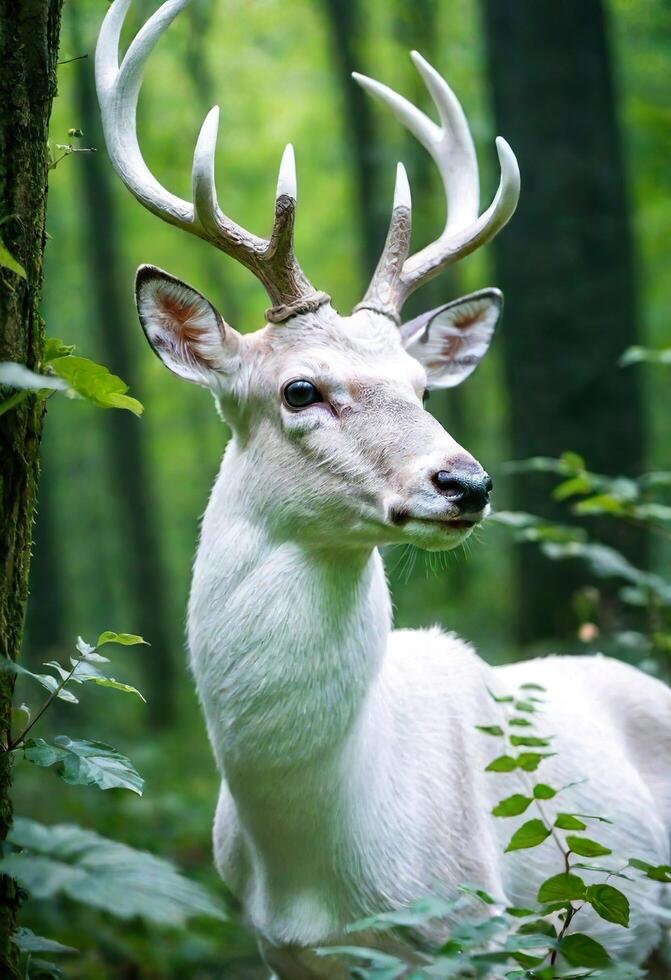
[(582, 91)]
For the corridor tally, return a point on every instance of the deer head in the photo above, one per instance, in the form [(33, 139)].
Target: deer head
[(331, 436)]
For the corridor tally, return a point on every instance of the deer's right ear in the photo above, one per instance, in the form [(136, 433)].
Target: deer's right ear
[(183, 328)]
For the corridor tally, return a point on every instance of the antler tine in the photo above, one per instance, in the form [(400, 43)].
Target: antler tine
[(271, 260), (451, 147)]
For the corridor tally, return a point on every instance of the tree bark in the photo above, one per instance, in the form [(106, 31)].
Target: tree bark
[(565, 265), (29, 32), (110, 287)]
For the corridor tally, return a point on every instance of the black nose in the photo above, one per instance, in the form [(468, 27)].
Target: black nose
[(469, 491)]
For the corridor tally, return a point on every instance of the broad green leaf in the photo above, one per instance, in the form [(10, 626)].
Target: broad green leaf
[(562, 888), (572, 487), (520, 913), (609, 903), (512, 806), (542, 791), (28, 942), (124, 639), (85, 763), (581, 950), (490, 729), (530, 834), (586, 847), (532, 741), (568, 821), (7, 261), (95, 383), (503, 763), (103, 874)]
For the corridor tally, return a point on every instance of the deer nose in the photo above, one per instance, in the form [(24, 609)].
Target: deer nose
[(470, 492)]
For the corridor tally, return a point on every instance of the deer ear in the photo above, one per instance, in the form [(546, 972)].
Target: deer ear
[(450, 341), (183, 328)]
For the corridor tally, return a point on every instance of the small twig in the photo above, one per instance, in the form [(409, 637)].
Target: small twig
[(69, 61)]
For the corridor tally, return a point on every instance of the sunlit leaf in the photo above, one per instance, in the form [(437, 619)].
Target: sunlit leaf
[(568, 821), (542, 791), (512, 806), (124, 639), (95, 383)]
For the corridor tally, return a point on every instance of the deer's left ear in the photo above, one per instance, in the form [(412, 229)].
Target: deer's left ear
[(450, 341), (184, 329)]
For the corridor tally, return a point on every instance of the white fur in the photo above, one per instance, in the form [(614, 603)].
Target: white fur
[(352, 771)]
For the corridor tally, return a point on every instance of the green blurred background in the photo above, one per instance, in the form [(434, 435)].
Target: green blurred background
[(582, 91)]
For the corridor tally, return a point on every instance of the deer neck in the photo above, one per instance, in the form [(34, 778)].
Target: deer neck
[(286, 642)]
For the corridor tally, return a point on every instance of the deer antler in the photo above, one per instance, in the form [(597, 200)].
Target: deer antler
[(451, 147), (271, 260)]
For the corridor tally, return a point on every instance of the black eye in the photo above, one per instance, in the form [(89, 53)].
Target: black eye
[(300, 394)]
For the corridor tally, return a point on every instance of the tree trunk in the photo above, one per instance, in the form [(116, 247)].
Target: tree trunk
[(565, 266), (29, 31), (345, 22), (128, 474)]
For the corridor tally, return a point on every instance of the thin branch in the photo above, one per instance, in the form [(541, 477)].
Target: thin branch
[(68, 61)]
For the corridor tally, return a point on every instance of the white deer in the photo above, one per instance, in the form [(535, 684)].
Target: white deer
[(351, 768)]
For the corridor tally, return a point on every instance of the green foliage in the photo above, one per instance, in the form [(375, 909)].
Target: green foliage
[(7, 261), (104, 874), (83, 763), (75, 376)]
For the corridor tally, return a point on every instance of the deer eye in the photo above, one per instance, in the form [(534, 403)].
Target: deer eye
[(300, 394)]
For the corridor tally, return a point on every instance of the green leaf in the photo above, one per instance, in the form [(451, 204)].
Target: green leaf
[(530, 761), (581, 950), (500, 698), (512, 806), (530, 686), (45, 680), (572, 487), (125, 639), (609, 903), (95, 383), (542, 791), (530, 834), (520, 913), (520, 722), (490, 729), (86, 673), (586, 847), (28, 942), (54, 347), (66, 860), (530, 740), (83, 763), (562, 888), (417, 913), (503, 763), (660, 872), (567, 821), (7, 261), (525, 706)]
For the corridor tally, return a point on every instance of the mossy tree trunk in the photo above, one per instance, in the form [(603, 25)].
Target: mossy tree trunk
[(29, 31)]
